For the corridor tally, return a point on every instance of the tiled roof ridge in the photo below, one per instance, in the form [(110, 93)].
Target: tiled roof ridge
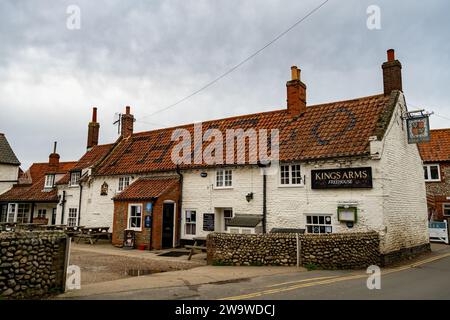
[(187, 125)]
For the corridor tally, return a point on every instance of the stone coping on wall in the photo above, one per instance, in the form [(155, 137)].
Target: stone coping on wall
[(326, 251)]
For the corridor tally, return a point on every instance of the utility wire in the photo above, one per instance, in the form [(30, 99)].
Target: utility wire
[(223, 75)]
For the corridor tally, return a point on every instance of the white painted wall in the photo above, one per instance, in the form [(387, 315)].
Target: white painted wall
[(200, 194), (404, 193), (8, 176)]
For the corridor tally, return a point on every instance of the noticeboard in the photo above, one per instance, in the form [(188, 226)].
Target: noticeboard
[(208, 222)]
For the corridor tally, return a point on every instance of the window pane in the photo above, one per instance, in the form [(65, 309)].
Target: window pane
[(308, 219), (434, 172), (296, 174), (284, 175), (425, 172), (315, 219), (321, 220)]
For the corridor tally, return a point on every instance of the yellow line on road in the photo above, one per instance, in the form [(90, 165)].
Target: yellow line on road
[(330, 280), (303, 280)]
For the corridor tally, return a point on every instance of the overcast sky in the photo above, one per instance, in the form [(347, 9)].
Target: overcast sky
[(150, 54)]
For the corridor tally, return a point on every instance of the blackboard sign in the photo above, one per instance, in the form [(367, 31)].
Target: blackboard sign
[(208, 222), (341, 178), (129, 239)]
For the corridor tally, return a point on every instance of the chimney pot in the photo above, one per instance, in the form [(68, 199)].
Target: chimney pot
[(53, 158), (392, 73), (391, 55), (94, 114), (127, 110), (296, 93), (93, 130)]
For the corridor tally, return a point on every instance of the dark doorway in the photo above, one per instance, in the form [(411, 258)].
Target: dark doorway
[(167, 231)]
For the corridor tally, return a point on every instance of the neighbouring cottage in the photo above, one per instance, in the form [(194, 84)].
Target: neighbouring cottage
[(343, 166), (74, 188), (436, 165), (34, 197), (9, 166)]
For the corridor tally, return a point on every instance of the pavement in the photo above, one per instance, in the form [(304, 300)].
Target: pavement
[(426, 277)]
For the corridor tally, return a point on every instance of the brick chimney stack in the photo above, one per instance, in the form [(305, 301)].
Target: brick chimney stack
[(127, 123), (392, 73), (296, 94), (93, 130), (53, 158)]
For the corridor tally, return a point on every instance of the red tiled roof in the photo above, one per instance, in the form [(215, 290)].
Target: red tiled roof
[(147, 188), (330, 130), (438, 149), (35, 192), (89, 159)]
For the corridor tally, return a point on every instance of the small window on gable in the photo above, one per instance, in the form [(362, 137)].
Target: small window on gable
[(123, 183), (75, 178), (49, 181)]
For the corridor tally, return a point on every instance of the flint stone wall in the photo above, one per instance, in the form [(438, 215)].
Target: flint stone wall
[(325, 251), (32, 264)]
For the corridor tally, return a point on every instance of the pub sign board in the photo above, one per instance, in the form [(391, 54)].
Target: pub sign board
[(418, 129), (341, 178)]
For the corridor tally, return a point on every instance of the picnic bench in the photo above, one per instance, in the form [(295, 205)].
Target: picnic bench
[(73, 231), (93, 234), (196, 246)]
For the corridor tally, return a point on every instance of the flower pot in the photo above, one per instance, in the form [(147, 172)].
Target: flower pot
[(141, 247)]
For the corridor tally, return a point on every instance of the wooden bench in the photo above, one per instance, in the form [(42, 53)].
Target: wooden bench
[(93, 234)]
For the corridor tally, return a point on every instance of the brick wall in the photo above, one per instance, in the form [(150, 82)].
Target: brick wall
[(439, 191), (143, 237)]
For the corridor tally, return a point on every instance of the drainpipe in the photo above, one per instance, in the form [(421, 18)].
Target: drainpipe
[(264, 219), (180, 201), (32, 212), (79, 204), (63, 202)]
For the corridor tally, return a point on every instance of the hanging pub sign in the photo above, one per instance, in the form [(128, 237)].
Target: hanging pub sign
[(418, 129), (341, 178), (208, 222)]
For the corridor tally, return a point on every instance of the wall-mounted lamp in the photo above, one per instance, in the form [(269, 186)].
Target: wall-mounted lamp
[(249, 196)]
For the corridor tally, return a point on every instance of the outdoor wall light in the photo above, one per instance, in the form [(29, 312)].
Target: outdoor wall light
[(249, 196)]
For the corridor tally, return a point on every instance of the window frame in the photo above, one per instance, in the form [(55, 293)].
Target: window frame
[(290, 176), (443, 209), (40, 211), (129, 227), (223, 174), (77, 182), (190, 223), (47, 180), (122, 185), (427, 171), (313, 224), (69, 217)]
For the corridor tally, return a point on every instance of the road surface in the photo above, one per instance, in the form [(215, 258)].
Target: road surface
[(426, 278)]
